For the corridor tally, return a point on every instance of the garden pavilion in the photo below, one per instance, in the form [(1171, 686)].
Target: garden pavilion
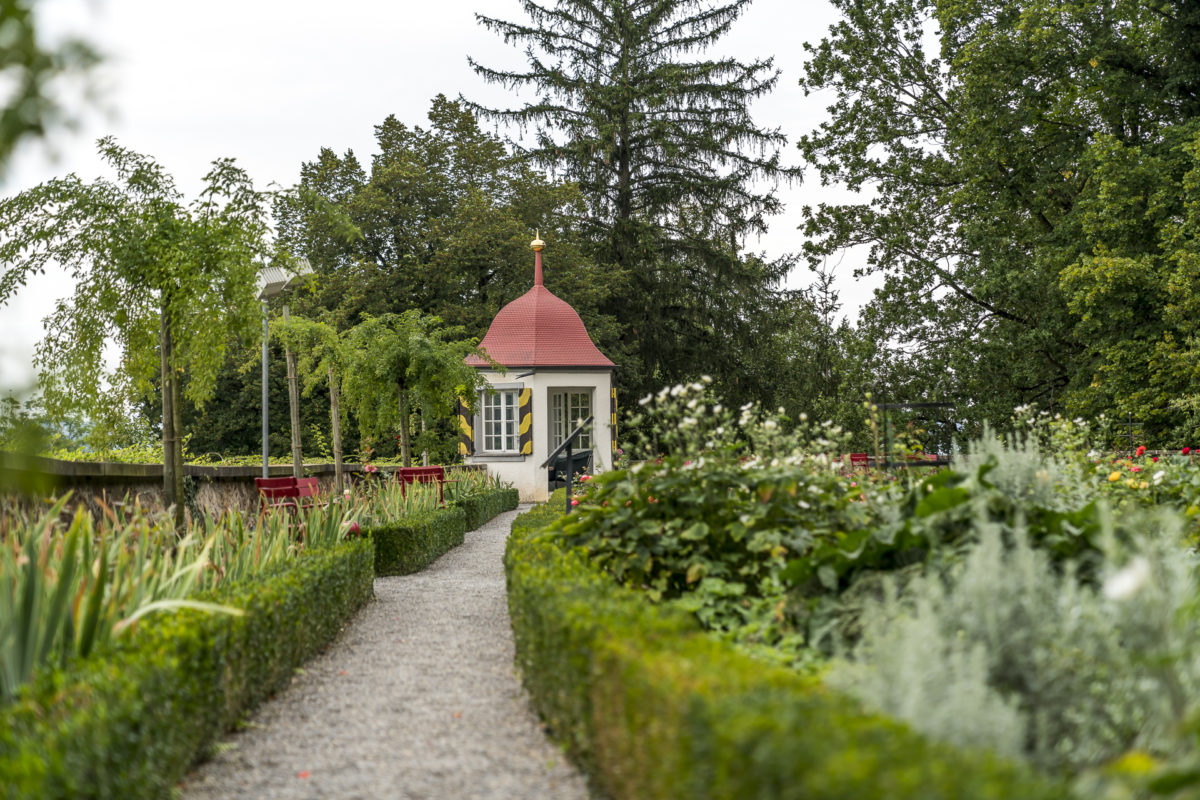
[(554, 378)]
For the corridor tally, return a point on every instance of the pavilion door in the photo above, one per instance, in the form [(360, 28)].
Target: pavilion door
[(568, 408)]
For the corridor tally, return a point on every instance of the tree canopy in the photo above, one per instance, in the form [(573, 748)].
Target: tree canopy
[(401, 364), (169, 282), (440, 222), (671, 165), (1025, 182)]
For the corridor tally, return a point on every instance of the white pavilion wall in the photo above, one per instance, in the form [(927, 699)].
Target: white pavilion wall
[(525, 472)]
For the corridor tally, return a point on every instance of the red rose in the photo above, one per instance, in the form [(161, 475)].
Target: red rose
[(1141, 451)]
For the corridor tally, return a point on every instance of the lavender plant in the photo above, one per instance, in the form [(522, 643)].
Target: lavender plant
[(1008, 652)]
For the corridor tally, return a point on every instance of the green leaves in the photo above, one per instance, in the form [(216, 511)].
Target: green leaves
[(401, 363), (68, 590), (671, 165), (170, 283), (1033, 154)]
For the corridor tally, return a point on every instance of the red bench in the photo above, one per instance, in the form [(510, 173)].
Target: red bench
[(426, 475), (289, 493)]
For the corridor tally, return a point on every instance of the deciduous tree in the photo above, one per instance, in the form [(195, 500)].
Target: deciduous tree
[(981, 132), (405, 363), (324, 355), (441, 223), (165, 280)]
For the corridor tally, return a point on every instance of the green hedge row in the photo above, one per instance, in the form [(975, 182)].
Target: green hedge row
[(480, 508), (651, 707), (412, 543), (129, 724)]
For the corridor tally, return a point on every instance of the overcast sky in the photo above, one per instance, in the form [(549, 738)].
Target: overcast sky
[(270, 82)]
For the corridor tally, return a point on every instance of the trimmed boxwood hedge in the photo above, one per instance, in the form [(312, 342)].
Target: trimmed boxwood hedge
[(412, 543), (129, 723), (651, 707), (481, 508)]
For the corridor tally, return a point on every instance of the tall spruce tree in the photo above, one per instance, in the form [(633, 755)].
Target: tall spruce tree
[(673, 167)]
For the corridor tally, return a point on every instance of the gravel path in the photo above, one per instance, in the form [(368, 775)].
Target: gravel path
[(416, 699)]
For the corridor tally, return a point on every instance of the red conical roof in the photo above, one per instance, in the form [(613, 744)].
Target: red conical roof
[(539, 329)]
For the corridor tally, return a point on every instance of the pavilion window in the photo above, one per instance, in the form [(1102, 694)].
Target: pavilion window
[(500, 421)]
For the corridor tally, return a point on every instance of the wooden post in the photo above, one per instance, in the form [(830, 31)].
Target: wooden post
[(405, 434)]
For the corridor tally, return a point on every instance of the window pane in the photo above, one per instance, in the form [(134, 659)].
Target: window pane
[(499, 420)]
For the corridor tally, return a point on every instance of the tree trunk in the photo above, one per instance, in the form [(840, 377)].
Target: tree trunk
[(294, 406), (177, 415), (172, 455), (335, 410), (424, 451), (405, 438)]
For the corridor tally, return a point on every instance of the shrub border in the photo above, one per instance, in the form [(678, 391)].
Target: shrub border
[(130, 723), (481, 508), (652, 707), (412, 543)]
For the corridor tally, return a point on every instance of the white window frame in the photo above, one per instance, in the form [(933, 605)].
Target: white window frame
[(566, 414), (500, 420)]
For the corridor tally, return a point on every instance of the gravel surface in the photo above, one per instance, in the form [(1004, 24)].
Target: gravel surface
[(416, 699)]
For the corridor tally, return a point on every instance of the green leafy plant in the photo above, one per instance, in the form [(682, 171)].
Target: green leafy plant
[(66, 593), (715, 510), (131, 724), (70, 588)]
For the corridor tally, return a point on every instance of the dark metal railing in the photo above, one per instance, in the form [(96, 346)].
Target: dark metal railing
[(567, 444)]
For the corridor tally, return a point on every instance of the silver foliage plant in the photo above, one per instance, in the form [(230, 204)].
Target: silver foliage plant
[(1008, 654), (1025, 467)]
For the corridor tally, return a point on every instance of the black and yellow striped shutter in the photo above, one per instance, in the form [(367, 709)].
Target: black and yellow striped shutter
[(613, 422), (525, 415), (466, 429)]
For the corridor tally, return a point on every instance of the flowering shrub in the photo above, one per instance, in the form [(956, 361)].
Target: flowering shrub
[(712, 515), (1036, 599)]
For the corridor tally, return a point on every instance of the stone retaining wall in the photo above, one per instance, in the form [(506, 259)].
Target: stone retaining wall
[(210, 490)]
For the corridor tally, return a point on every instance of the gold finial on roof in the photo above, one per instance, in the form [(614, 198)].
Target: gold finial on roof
[(537, 244)]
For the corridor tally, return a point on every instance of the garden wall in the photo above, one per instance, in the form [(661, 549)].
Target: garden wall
[(211, 490)]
